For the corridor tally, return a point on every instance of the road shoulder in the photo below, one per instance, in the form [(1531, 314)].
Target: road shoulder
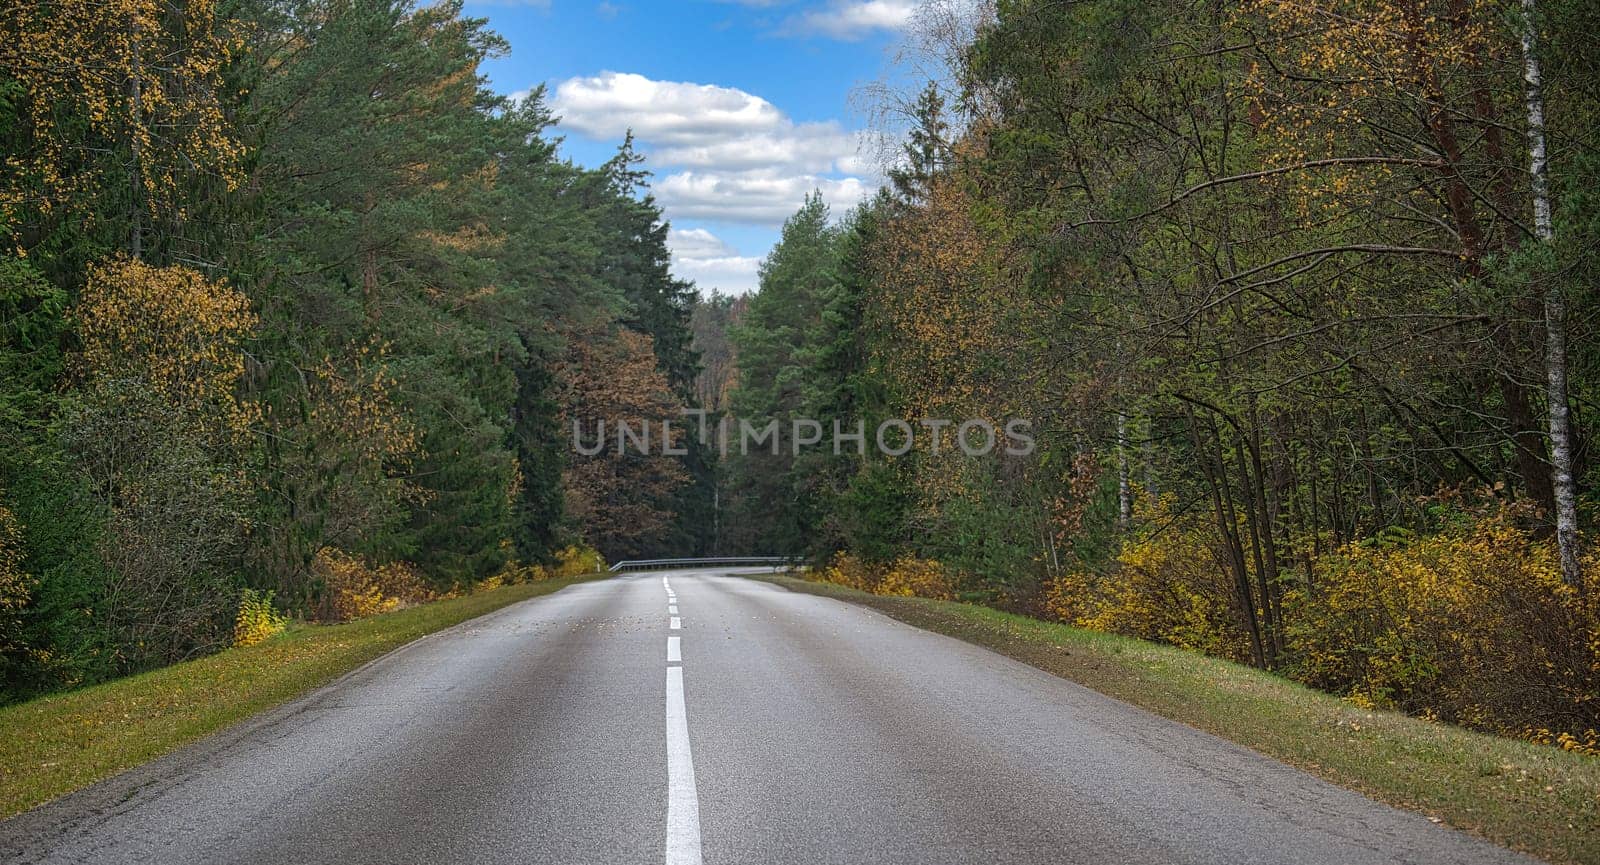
[(1536, 799), (54, 745)]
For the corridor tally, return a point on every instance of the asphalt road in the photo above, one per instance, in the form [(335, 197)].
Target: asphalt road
[(767, 727)]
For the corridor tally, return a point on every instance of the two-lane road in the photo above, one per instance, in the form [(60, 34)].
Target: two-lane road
[(700, 716)]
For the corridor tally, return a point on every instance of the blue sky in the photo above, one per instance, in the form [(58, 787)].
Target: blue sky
[(741, 106)]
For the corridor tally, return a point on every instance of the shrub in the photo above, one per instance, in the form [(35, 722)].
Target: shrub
[(257, 620), (572, 561), (577, 560), (1169, 585), (1472, 625), (354, 588), (850, 571), (175, 517), (908, 576)]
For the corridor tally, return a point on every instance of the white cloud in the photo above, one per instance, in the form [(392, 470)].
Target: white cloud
[(700, 125), (814, 147), (699, 255), (721, 154), (698, 243), (759, 196), (852, 19), (667, 112)]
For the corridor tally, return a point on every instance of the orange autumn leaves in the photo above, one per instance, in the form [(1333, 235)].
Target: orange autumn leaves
[(939, 305), (624, 498)]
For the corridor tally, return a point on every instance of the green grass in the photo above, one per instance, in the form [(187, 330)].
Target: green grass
[(1536, 799), (57, 744)]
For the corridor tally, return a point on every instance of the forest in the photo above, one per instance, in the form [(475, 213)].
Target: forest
[(292, 308), (298, 318), (1301, 301)]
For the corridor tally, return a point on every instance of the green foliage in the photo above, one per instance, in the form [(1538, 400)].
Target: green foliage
[(325, 323), (174, 524), (871, 514), (63, 643), (779, 344), (1198, 249), (31, 326)]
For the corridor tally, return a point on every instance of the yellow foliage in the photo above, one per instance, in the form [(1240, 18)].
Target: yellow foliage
[(1472, 624), (174, 328), (1342, 74), (1588, 743), (489, 584), (1168, 586), (920, 578), (354, 589), (257, 620), (849, 571), (353, 406), (572, 561), (147, 77), (576, 560), (16, 586), (908, 576), (946, 314), (532, 574)]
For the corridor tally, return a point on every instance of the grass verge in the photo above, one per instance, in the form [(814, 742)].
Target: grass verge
[(56, 744), (1537, 799)]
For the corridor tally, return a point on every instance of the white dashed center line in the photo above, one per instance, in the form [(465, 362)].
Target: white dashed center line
[(683, 803)]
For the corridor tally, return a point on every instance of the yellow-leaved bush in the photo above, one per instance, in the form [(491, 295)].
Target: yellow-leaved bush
[(257, 620), (1471, 625), (577, 560), (574, 560), (907, 576), (1167, 583), (354, 588)]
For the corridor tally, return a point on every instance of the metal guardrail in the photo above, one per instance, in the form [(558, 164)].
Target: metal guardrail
[(656, 564)]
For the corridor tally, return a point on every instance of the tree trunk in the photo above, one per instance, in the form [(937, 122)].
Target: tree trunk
[(1212, 468), (136, 143), (1124, 488), (1555, 313)]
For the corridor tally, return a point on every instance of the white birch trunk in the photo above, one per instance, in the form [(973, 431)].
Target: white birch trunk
[(1555, 311)]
